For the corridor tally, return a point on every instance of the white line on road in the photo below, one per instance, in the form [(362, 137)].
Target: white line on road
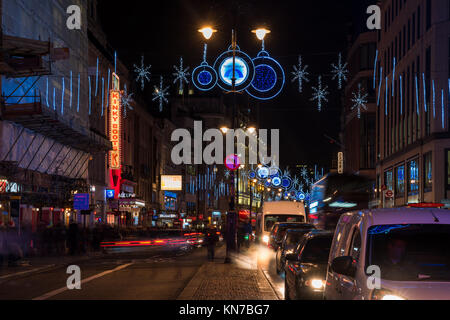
[(26, 272), (61, 290)]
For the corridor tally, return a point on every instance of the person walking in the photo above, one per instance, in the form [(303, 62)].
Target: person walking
[(211, 240)]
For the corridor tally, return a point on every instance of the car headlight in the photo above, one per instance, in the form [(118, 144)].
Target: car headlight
[(317, 284), (385, 295), (266, 239)]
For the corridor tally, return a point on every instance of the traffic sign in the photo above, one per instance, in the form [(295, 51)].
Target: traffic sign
[(389, 194)]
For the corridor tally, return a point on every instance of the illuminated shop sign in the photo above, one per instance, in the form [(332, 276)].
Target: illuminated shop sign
[(115, 130), (171, 183)]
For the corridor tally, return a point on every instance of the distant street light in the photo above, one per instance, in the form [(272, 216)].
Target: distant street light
[(261, 33), (207, 32)]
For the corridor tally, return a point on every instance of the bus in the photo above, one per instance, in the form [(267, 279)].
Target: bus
[(277, 211), (336, 194)]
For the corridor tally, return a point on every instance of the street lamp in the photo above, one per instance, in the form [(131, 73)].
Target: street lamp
[(261, 33), (207, 32), (224, 130)]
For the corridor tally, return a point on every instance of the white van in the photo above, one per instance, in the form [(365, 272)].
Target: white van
[(390, 254), (277, 211)]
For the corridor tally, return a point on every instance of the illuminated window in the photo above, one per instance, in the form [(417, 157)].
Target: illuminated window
[(400, 181), (428, 172), (413, 177)]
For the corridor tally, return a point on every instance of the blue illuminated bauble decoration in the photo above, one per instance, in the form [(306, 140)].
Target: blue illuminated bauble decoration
[(204, 77), (274, 172), (276, 182), (301, 196), (269, 78), (267, 184), (265, 78), (263, 173), (244, 70), (286, 183), (226, 71), (252, 175)]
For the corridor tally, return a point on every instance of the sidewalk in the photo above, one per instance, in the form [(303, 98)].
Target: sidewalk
[(240, 280)]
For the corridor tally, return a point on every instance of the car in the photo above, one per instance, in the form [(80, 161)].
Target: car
[(306, 268), (279, 230), (390, 254), (290, 242), (277, 211)]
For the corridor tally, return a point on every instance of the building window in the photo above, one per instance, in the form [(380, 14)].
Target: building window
[(428, 17), (388, 180), (413, 181), (400, 181), (428, 172)]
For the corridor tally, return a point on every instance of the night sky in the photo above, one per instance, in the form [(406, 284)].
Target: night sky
[(318, 30)]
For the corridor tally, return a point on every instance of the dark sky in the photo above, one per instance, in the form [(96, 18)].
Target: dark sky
[(318, 29)]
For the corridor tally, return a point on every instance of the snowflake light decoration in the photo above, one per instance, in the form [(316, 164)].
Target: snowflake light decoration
[(295, 182), (300, 74), (360, 101), (304, 173), (227, 174), (340, 71), (143, 73), (300, 187), (161, 94), (126, 100), (320, 94), (181, 75), (286, 173)]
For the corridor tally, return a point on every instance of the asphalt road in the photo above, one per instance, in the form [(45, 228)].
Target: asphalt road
[(154, 274)]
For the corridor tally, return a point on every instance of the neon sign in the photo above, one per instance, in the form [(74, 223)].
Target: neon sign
[(115, 130)]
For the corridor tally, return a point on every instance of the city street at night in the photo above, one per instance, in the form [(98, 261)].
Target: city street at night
[(223, 158)]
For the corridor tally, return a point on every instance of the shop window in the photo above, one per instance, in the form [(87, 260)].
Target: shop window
[(388, 180), (400, 181), (413, 181), (428, 172)]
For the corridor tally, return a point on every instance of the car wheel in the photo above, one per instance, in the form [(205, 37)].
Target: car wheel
[(277, 262)]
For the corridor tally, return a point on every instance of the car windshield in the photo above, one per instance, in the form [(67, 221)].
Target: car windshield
[(317, 250), (270, 220), (410, 252), (293, 238)]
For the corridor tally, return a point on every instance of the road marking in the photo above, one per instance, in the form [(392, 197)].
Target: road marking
[(26, 272), (61, 290)]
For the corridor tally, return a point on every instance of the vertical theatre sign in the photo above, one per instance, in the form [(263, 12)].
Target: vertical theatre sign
[(115, 129)]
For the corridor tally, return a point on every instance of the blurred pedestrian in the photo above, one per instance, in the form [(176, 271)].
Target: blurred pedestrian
[(211, 240)]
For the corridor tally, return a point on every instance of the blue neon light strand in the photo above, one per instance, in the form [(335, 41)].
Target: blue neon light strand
[(434, 101), (443, 110), (103, 94), (96, 80), (89, 79), (386, 99), (54, 98), (379, 86), (46, 94), (62, 96), (393, 77), (78, 93), (71, 87)]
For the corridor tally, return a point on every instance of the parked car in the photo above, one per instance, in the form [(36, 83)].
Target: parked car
[(306, 268), (288, 246), (279, 231), (390, 254)]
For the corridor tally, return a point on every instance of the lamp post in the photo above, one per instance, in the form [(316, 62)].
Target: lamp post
[(208, 32)]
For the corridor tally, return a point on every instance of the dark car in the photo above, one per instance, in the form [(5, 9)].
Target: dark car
[(290, 242), (279, 230), (306, 268)]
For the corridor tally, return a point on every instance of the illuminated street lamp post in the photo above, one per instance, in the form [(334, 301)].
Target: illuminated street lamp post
[(260, 34)]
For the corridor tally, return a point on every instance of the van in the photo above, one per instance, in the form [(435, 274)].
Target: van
[(277, 211), (390, 254)]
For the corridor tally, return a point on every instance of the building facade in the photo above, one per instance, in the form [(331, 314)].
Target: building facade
[(413, 72)]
